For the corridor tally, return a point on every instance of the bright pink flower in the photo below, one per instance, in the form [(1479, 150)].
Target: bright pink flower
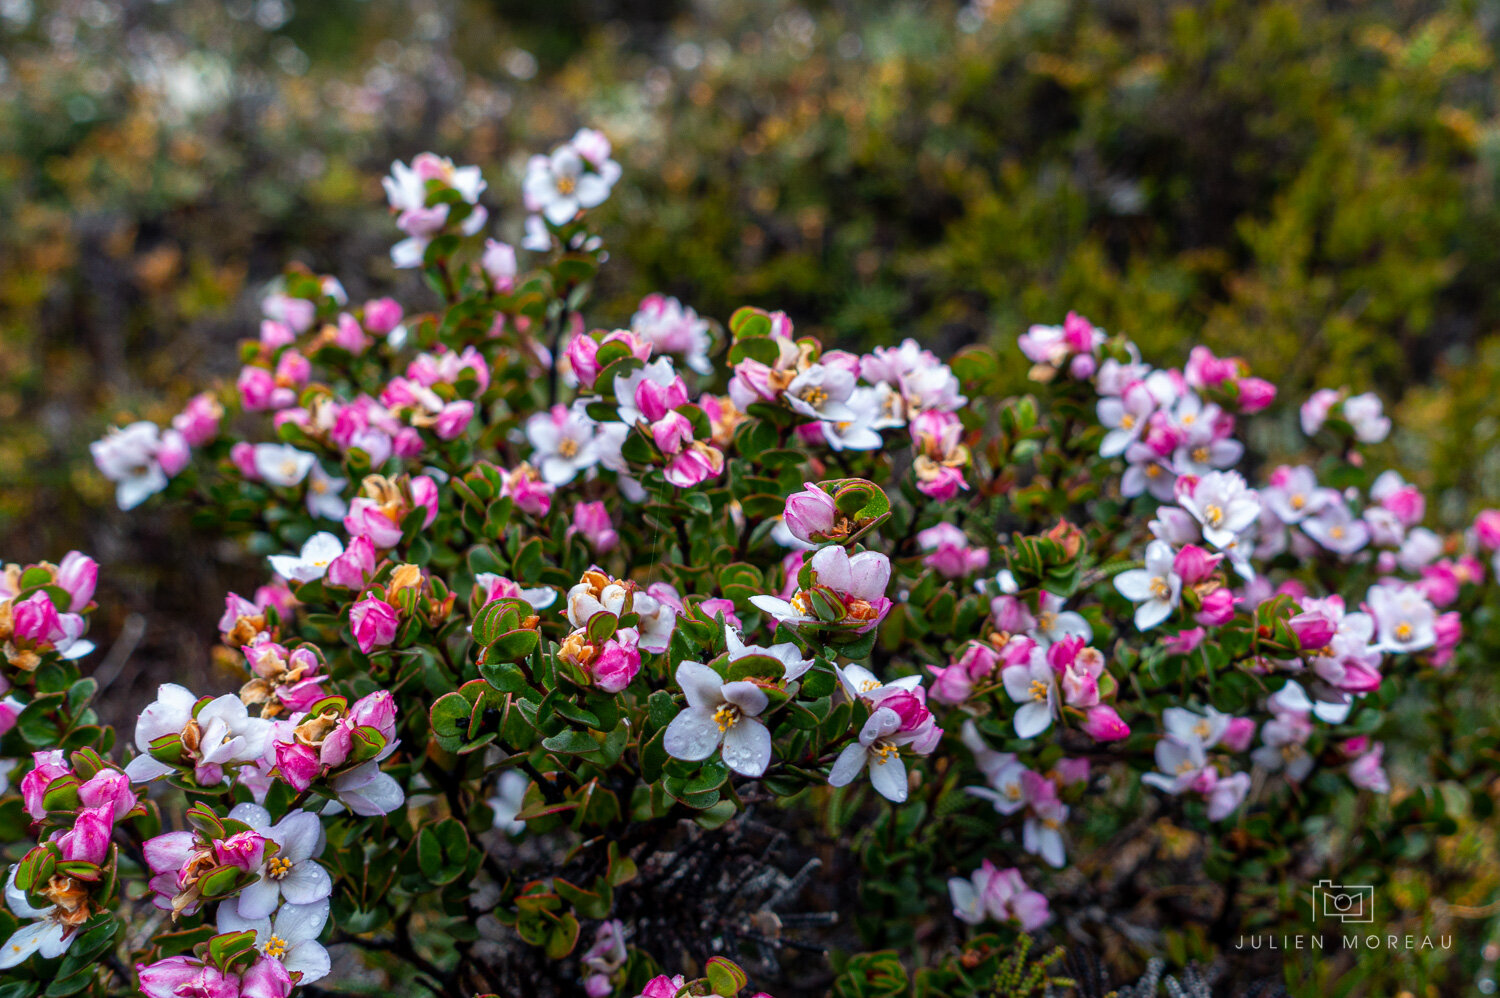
[(366, 518), (1103, 724), (242, 455), (298, 764), (710, 607), (1255, 394), (453, 419), (591, 521), (46, 767), (951, 684), (35, 619), (663, 986), (353, 568), (198, 422), (1239, 734), (672, 432), (654, 400), (1218, 608), (266, 978), (1487, 529), (581, 355), (382, 315), (618, 662), (77, 574), (374, 624), (950, 552), (349, 335), (695, 465), (173, 453), (259, 391), (1313, 630), (1194, 564), (944, 484)]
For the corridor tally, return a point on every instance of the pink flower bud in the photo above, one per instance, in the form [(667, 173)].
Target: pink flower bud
[(1072, 771), (1239, 734), (454, 419), (581, 354), (46, 767), (376, 710), (655, 401), (353, 568), (266, 978), (111, 788), (297, 764), (348, 335), (1218, 608), (1255, 394), (184, 975), (1194, 564), (173, 453), (944, 484), (1184, 642), (811, 514), (374, 624), (275, 335), (424, 493), (77, 575), (1103, 724), (198, 422), (1313, 630), (951, 684), (382, 315), (242, 455), (617, 664), (1487, 529), (88, 841), (591, 520), (35, 620), (695, 465), (242, 849), (672, 432), (257, 387)]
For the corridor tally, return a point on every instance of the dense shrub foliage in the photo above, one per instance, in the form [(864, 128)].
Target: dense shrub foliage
[(580, 650)]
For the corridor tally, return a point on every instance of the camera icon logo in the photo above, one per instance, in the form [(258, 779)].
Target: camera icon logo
[(1345, 902)]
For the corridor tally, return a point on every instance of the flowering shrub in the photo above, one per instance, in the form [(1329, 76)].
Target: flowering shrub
[(551, 610)]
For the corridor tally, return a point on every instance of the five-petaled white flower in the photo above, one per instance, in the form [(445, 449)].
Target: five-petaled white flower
[(1157, 587), (1033, 685), (312, 563), (293, 872), (879, 748), (720, 712), (291, 936)]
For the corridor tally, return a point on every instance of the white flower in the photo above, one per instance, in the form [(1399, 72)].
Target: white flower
[(564, 442), (1223, 506), (1335, 528), (862, 430), (367, 791), (1157, 587), (1125, 418), (1207, 728), (1364, 414), (224, 731), (282, 464), (325, 494), (46, 935), (560, 186), (1053, 623), (1406, 620), (291, 937), (509, 799), (879, 748), (787, 653), (719, 712), (1033, 685), (293, 873), (312, 563), (822, 391), (1179, 760), (128, 457), (1041, 835)]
